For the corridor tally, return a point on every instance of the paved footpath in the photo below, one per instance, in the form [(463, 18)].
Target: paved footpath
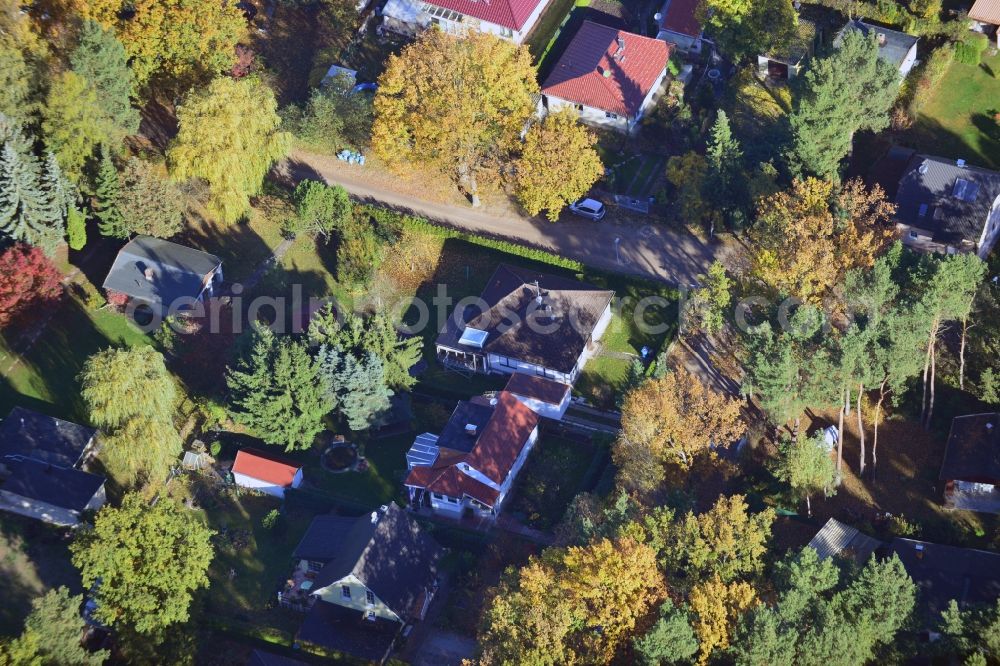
[(650, 250)]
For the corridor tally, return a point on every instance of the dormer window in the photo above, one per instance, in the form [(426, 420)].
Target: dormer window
[(922, 212), (345, 592), (369, 597), (965, 190)]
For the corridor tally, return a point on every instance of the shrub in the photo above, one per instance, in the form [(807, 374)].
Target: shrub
[(270, 519), (215, 448), (359, 255), (901, 527), (931, 74), (970, 50)]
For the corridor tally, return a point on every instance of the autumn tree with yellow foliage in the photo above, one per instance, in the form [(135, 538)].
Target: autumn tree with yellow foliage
[(229, 136), (672, 420), (576, 605), (178, 40), (455, 105), (717, 607), (558, 164), (806, 239)]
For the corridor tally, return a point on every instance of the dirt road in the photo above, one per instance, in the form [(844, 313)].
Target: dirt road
[(651, 250)]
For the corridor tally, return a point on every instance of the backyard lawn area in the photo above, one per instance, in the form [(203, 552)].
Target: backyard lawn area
[(34, 558), (556, 471), (380, 484), (960, 119), (45, 379)]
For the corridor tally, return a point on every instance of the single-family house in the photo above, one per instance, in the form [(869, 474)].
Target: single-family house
[(609, 76), (365, 578), (266, 472), (971, 465), (166, 277), (985, 17), (510, 19), (786, 61), (545, 397), (945, 205), (43, 464), (472, 464), (835, 539), (943, 573), (527, 322), (679, 25), (896, 48)]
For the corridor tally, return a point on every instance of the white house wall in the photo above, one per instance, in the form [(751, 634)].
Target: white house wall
[(38, 510), (990, 230), (516, 467), (908, 62), (546, 409), (589, 114), (333, 593), (262, 486), (507, 366)]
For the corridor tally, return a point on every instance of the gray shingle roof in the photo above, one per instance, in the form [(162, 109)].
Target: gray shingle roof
[(59, 486), (175, 271), (893, 49), (943, 573), (973, 450), (931, 198), (573, 310), (324, 538), (836, 538), (393, 557), (45, 438)]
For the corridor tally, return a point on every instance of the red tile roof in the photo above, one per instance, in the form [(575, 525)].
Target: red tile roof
[(512, 14), (503, 437), (497, 447), (265, 467), (987, 11), (681, 17), (452, 482), (588, 72)]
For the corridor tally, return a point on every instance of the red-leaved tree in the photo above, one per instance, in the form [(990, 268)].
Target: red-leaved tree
[(27, 279)]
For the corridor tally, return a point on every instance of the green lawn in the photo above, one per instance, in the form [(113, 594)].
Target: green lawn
[(379, 484), (556, 471), (46, 377), (959, 120), (34, 558), (547, 28)]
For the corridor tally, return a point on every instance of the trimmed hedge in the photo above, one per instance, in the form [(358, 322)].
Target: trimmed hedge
[(525, 252)]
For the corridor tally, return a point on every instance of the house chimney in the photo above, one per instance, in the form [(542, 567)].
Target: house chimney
[(920, 551), (960, 162), (148, 274), (374, 517), (882, 39), (471, 429)]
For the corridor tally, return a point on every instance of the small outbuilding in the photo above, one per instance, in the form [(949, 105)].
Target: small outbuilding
[(971, 466), (266, 472), (985, 17), (545, 397), (786, 61), (894, 47)]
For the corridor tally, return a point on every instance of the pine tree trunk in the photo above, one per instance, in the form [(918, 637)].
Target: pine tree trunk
[(861, 432), (927, 364), (809, 508), (930, 404), (878, 417), (795, 431), (844, 399), (961, 354)]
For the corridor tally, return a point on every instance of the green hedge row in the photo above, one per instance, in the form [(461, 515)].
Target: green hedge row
[(421, 225), (931, 74)]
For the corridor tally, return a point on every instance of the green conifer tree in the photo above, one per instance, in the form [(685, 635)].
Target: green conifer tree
[(357, 386), (110, 221), (76, 228), (277, 390)]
